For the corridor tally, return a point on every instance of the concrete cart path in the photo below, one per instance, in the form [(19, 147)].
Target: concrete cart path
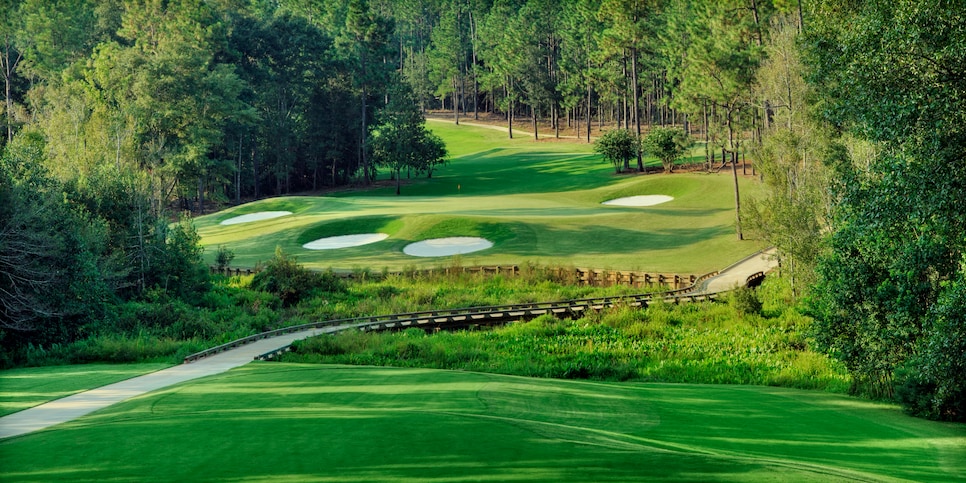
[(80, 404)]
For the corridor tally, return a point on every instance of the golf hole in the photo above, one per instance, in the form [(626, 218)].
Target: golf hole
[(641, 200), (261, 215), (345, 241), (442, 247)]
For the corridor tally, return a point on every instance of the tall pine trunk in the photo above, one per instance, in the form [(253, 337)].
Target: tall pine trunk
[(589, 94), (533, 112), (456, 104), (734, 174), (238, 170), (476, 84), (9, 68), (637, 111), (509, 111), (363, 160)]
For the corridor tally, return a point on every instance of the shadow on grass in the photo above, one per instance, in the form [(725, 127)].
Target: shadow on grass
[(593, 240), (502, 171), (288, 422)]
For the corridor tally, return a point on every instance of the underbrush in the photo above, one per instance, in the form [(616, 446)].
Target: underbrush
[(396, 294), (754, 338), (160, 328), (715, 343)]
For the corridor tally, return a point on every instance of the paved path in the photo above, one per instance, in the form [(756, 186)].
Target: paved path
[(738, 273), (77, 405)]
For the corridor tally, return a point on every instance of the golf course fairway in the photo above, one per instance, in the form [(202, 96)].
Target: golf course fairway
[(539, 202), (293, 422)]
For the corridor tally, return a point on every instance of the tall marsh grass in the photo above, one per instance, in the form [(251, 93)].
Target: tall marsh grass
[(715, 343)]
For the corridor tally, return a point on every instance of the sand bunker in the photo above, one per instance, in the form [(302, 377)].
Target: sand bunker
[(261, 215), (442, 247), (345, 241), (642, 200)]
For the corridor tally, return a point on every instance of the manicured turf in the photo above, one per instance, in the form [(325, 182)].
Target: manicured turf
[(290, 422), (536, 201), (25, 388)]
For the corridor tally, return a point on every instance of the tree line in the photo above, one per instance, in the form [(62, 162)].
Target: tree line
[(225, 100), (212, 100), (115, 111)]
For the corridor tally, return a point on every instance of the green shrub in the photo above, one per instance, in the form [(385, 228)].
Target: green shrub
[(811, 370), (542, 326), (132, 318), (291, 282), (118, 349), (623, 317), (322, 345), (932, 383), (745, 301), (224, 257)]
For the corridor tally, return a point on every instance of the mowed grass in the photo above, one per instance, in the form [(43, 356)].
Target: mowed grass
[(28, 387), (293, 422), (538, 202)]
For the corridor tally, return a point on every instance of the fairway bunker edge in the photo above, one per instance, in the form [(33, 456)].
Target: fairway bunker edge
[(345, 241), (640, 200), (259, 216), (442, 247)]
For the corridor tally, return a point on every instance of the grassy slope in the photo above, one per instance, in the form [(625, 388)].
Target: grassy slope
[(24, 388), (538, 201), (290, 422)]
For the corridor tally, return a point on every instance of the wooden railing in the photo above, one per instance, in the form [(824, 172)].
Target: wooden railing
[(584, 276), (464, 317), (755, 279), (480, 316)]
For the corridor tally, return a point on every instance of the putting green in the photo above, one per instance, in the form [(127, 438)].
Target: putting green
[(291, 422), (535, 201)]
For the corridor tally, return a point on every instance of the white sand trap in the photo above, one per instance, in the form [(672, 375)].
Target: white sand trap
[(442, 247), (261, 215), (642, 200), (345, 241)]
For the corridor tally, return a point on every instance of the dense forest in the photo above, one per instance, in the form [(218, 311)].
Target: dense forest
[(118, 113)]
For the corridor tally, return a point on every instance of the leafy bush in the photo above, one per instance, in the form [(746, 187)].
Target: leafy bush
[(291, 282), (223, 258), (745, 301), (667, 144), (115, 348), (933, 383), (617, 146)]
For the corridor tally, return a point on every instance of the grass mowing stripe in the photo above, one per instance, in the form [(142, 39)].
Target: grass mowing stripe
[(623, 442), (321, 423)]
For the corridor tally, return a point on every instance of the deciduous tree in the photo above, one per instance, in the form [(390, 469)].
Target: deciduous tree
[(617, 146), (401, 140), (667, 144), (894, 73)]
